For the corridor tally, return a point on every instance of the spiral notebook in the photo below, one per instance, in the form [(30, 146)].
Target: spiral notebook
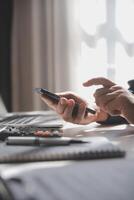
[(94, 148)]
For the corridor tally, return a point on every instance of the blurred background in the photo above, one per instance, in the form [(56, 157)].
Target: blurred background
[(58, 44)]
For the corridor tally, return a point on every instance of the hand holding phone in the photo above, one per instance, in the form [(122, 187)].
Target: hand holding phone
[(55, 98)]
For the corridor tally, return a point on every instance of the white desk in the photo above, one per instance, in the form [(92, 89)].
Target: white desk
[(107, 179), (121, 135)]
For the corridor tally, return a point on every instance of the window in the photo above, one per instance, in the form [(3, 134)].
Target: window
[(107, 41)]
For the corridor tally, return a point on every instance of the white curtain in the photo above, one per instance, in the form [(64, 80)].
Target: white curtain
[(42, 47), (58, 44)]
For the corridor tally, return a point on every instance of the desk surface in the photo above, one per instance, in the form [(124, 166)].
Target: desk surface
[(121, 135), (108, 179)]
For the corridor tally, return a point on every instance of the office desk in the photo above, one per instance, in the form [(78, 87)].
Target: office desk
[(121, 135), (107, 179)]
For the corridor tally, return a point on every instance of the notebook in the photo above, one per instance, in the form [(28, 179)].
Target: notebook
[(94, 148)]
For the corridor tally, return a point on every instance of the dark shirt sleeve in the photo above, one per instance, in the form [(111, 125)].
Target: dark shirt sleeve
[(113, 120)]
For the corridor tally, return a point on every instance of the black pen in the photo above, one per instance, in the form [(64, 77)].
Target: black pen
[(33, 140)]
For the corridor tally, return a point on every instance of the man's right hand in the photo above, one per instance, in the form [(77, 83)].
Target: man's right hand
[(112, 98)]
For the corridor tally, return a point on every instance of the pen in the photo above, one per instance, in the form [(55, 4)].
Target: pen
[(33, 140)]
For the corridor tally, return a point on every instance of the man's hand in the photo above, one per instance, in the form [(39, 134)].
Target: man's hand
[(66, 105), (112, 98)]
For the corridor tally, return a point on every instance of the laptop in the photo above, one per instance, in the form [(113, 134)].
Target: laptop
[(26, 123)]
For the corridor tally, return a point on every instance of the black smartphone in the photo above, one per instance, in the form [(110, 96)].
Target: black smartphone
[(56, 99)]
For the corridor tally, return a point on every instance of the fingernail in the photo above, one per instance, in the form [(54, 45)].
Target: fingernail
[(62, 101), (70, 102)]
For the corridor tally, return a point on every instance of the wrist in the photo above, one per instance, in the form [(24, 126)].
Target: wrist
[(128, 109)]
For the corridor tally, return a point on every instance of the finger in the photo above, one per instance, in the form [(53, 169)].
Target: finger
[(68, 95), (99, 81), (71, 95), (115, 87), (81, 113), (101, 91), (61, 105), (67, 115)]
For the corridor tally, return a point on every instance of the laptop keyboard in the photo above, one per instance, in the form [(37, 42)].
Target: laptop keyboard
[(19, 120), (26, 119), (28, 124)]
